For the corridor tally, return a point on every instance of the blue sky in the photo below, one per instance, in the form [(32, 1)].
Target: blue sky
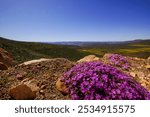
[(75, 20)]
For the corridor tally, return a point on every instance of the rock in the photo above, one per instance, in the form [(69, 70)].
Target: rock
[(89, 58), (27, 89), (140, 75), (35, 61), (6, 58), (3, 66), (133, 74), (147, 67), (107, 55), (143, 82), (43, 87), (32, 83), (21, 92), (61, 87), (140, 59), (42, 92), (19, 76)]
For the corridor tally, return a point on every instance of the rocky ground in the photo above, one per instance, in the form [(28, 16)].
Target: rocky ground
[(40, 78), (37, 79)]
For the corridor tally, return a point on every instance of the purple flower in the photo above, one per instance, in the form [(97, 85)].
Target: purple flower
[(119, 60), (98, 81)]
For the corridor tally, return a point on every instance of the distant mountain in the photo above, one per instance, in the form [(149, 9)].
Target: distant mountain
[(68, 43), (86, 44)]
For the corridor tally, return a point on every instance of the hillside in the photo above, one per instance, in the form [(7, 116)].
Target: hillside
[(135, 48), (24, 51)]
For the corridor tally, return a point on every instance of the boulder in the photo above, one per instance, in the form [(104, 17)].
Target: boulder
[(6, 59), (89, 58), (21, 92), (27, 89), (61, 87)]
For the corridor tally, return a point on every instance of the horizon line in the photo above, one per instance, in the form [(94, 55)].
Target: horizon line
[(74, 41)]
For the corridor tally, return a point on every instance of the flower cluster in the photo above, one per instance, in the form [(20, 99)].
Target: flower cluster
[(119, 61), (98, 81)]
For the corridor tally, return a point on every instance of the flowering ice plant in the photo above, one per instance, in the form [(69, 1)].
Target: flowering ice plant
[(119, 60), (98, 81)]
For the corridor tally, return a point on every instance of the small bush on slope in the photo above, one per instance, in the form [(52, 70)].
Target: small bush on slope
[(119, 61)]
